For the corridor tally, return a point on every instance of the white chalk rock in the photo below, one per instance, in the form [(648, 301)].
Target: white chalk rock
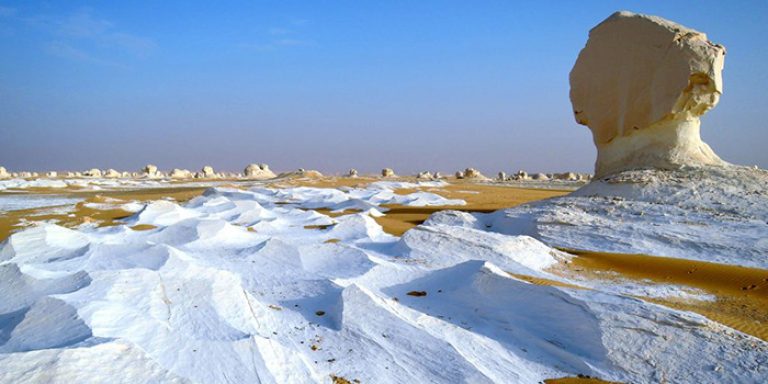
[(352, 173), (150, 171), (539, 177), (459, 174), (502, 176), (522, 175), (471, 173), (93, 172), (208, 173), (51, 174), (4, 173), (388, 172), (177, 173), (112, 174), (425, 175), (641, 84), (258, 172)]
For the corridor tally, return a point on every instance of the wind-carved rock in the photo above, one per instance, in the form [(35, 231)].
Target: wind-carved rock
[(641, 84), (258, 172)]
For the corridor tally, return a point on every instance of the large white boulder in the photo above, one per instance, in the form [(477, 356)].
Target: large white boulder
[(641, 84), (4, 173), (258, 172), (388, 172)]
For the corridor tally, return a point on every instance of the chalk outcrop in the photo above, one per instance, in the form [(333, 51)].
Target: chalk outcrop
[(177, 173), (112, 174), (388, 172), (641, 84), (93, 172), (424, 175), (352, 173), (471, 173), (4, 173), (150, 171), (258, 172), (208, 173)]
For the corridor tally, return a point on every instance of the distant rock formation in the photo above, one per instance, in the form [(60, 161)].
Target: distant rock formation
[(424, 175), (502, 176), (471, 173), (208, 173), (111, 174), (388, 172), (352, 173), (641, 84), (177, 173), (51, 174), (539, 177), (521, 175), (258, 172), (150, 171), (4, 173), (93, 172)]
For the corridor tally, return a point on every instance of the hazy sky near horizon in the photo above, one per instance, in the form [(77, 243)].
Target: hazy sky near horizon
[(330, 85)]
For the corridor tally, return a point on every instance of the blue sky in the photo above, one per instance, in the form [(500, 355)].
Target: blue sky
[(437, 85)]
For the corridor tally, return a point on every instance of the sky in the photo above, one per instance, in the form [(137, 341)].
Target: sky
[(333, 85)]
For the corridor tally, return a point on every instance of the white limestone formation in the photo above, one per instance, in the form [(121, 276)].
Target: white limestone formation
[(471, 173), (51, 174), (388, 172), (112, 174), (150, 171), (258, 172), (539, 177), (93, 172), (4, 173), (502, 176), (208, 173), (177, 173), (641, 84), (424, 175), (352, 173)]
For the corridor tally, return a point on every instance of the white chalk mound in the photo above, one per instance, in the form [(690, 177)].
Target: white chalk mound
[(641, 84), (259, 172)]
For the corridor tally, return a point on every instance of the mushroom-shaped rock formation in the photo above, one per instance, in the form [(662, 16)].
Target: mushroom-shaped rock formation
[(4, 173), (641, 84), (352, 173), (502, 176), (258, 172), (388, 172)]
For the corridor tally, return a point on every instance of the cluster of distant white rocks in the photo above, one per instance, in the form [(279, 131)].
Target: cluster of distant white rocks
[(474, 174), (252, 171), (262, 172)]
